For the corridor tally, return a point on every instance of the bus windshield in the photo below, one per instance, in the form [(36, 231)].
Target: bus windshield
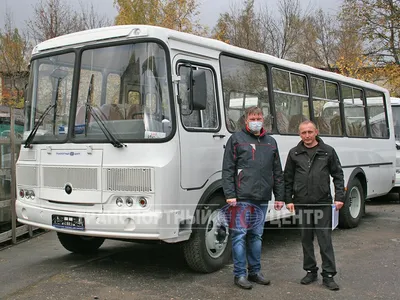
[(125, 86)]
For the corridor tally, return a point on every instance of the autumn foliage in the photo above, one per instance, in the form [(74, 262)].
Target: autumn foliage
[(181, 15), (13, 65)]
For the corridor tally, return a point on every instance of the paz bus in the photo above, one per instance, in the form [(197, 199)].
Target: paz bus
[(395, 102), (125, 130)]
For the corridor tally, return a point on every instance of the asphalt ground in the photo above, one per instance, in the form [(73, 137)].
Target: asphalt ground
[(367, 257)]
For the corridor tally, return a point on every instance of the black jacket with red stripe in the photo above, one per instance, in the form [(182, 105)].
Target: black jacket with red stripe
[(252, 167)]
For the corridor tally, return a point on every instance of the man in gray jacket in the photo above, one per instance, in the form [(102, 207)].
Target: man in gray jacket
[(251, 172)]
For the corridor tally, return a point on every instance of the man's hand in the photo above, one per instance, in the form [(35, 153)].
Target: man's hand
[(231, 201), (278, 205), (290, 207), (339, 205)]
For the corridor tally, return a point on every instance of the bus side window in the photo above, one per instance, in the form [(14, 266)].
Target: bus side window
[(325, 96), (245, 84), (377, 114), (198, 119)]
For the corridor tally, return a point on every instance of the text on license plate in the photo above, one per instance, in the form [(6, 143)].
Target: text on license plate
[(68, 222)]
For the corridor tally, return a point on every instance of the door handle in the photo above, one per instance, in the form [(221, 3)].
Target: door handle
[(221, 136)]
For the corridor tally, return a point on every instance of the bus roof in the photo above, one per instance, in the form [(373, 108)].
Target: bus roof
[(127, 32)]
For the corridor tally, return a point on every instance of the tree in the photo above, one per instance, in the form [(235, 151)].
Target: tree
[(181, 15), (13, 64), (283, 31), (53, 18), (89, 19), (379, 26), (376, 26), (262, 31), (241, 27), (318, 42)]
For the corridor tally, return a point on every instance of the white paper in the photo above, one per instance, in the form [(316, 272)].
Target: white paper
[(335, 217)]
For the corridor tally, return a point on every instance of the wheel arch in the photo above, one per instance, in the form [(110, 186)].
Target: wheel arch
[(212, 190), (360, 175)]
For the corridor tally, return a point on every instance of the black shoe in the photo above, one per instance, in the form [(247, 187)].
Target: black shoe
[(309, 278), (330, 283), (259, 278), (243, 283)]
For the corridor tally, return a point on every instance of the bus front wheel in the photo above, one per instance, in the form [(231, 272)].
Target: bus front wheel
[(209, 247), (79, 244), (352, 210)]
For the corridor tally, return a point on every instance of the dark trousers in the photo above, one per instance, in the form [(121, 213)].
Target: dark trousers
[(317, 220)]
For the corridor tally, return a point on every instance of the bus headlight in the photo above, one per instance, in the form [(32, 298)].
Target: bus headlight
[(119, 201), (29, 194), (129, 201)]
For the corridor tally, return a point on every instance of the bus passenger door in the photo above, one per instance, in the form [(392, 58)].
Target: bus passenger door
[(202, 137)]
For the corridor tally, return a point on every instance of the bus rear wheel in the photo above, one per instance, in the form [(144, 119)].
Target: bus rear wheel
[(80, 244), (352, 210), (209, 247)]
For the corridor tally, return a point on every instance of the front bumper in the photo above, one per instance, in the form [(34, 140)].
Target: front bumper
[(136, 226)]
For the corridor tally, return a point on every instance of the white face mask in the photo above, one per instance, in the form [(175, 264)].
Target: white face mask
[(255, 126)]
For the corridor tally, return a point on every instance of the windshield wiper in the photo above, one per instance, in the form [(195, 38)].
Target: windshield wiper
[(110, 137), (89, 110), (29, 139)]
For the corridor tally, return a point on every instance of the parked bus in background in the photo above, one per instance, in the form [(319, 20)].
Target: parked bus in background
[(131, 126), (396, 123)]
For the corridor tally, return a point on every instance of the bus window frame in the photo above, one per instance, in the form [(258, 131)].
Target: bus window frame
[(194, 63)]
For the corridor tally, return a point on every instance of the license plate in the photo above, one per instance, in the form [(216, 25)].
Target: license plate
[(68, 222)]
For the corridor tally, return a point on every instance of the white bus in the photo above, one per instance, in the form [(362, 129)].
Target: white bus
[(126, 126), (395, 102)]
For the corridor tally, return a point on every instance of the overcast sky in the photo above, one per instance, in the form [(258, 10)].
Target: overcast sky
[(22, 10)]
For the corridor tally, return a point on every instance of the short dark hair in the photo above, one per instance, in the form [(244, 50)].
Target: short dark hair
[(253, 110), (307, 122)]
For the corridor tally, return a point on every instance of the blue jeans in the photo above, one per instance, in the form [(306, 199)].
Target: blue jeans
[(246, 227)]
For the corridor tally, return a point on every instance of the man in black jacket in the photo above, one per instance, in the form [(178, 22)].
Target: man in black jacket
[(251, 171), (308, 169)]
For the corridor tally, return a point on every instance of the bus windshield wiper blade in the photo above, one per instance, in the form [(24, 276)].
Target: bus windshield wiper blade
[(29, 139), (110, 137)]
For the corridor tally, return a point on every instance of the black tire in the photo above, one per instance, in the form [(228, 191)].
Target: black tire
[(196, 252), (80, 244), (353, 208)]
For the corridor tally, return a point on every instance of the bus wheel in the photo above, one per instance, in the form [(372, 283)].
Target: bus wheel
[(352, 210), (80, 244), (209, 247)]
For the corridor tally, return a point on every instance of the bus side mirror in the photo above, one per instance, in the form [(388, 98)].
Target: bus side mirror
[(198, 90)]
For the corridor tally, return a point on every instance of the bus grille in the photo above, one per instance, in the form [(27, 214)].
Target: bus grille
[(27, 175), (129, 179), (79, 178)]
